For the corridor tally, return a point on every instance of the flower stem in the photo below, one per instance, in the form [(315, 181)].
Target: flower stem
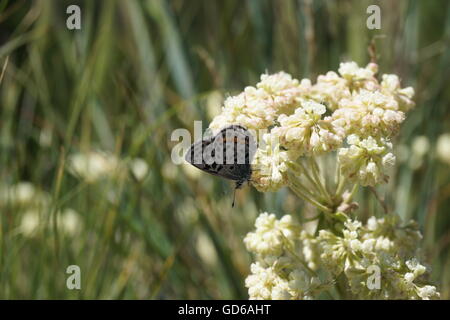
[(314, 202), (303, 263), (353, 192), (299, 185), (382, 202), (316, 175), (337, 177), (340, 187), (308, 177)]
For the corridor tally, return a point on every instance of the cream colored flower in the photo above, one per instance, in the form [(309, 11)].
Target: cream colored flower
[(258, 107), (69, 222), (139, 168), (370, 113), (93, 165), (283, 89), (338, 253), (265, 283), (23, 194), (305, 132), (359, 78), (389, 233), (330, 89), (29, 223), (271, 235), (416, 268), (291, 263), (206, 250), (270, 165), (310, 250), (251, 109), (366, 160), (420, 146), (428, 292), (443, 148), (275, 283), (390, 85)]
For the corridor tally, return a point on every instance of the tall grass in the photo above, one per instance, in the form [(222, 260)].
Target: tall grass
[(139, 69)]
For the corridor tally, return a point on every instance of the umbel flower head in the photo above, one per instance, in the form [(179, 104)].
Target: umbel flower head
[(258, 107), (272, 235), (323, 140), (284, 259), (359, 78), (365, 161), (329, 89), (305, 119), (390, 86), (276, 275), (370, 113), (270, 165), (307, 132), (360, 247)]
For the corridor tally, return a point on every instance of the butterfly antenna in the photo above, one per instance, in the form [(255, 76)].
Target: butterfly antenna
[(238, 185), (234, 197)]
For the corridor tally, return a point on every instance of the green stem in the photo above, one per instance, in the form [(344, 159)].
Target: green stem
[(299, 185), (316, 175), (352, 193), (306, 198), (309, 178), (383, 204), (338, 174), (340, 187), (303, 263)]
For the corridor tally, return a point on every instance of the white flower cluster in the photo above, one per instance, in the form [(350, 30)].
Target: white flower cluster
[(443, 148), (33, 206), (305, 119), (390, 85), (277, 275), (370, 113), (272, 236), (383, 243), (289, 257), (23, 194), (366, 160), (306, 132), (258, 107), (350, 115), (271, 163), (92, 166)]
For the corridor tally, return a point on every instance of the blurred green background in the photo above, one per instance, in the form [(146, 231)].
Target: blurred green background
[(136, 71)]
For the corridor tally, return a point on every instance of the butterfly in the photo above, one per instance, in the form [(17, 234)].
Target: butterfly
[(227, 154)]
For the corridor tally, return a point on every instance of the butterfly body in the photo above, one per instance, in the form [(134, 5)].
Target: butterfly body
[(227, 154)]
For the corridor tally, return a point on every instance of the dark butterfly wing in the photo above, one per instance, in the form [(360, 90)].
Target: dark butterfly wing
[(228, 154), (196, 157), (195, 153), (238, 144)]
